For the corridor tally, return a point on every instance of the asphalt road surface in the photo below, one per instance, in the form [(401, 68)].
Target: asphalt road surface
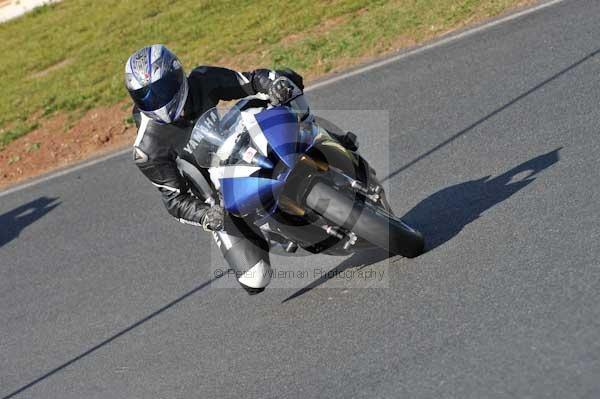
[(490, 145)]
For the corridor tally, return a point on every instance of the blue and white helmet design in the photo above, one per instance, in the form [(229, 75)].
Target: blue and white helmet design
[(157, 83)]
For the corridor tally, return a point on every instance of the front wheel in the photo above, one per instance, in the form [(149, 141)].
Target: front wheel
[(367, 221)]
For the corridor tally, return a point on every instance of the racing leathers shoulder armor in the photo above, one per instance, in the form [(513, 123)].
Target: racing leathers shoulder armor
[(158, 146)]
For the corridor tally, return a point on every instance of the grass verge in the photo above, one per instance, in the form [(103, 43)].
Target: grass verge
[(68, 57)]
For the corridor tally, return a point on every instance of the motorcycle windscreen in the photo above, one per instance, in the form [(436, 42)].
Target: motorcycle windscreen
[(280, 127), (243, 195)]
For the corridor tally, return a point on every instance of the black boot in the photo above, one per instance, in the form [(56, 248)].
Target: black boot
[(348, 140)]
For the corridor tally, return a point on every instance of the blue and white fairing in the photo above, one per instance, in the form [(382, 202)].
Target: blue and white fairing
[(243, 150)]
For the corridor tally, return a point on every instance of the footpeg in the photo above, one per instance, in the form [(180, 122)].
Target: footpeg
[(333, 231), (291, 247), (352, 238)]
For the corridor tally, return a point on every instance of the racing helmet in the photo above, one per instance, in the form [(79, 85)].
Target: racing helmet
[(157, 83)]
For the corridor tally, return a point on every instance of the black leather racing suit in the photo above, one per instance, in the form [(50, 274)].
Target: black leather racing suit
[(158, 146)]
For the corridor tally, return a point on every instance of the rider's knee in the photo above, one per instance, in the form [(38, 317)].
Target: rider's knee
[(256, 279)]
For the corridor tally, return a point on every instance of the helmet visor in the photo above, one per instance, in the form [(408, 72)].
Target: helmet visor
[(158, 94)]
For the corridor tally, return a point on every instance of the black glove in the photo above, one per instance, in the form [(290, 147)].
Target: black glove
[(281, 90), (293, 76), (213, 219)]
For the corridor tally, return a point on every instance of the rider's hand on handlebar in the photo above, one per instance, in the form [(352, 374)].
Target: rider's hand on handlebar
[(213, 218), (281, 91)]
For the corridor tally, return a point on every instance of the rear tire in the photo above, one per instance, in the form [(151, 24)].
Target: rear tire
[(367, 221)]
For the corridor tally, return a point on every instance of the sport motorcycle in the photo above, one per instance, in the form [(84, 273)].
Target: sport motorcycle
[(287, 177)]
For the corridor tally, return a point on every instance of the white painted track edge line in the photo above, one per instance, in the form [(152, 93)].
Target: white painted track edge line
[(317, 85), (437, 43)]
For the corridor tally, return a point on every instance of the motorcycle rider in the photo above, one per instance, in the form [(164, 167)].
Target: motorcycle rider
[(166, 105)]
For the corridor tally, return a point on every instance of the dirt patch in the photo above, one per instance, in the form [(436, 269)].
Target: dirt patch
[(51, 68), (52, 145)]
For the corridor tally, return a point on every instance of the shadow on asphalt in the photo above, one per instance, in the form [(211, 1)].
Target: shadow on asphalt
[(443, 215), (110, 339), (13, 222), (360, 260)]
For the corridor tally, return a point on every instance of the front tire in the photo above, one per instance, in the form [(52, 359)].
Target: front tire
[(367, 221)]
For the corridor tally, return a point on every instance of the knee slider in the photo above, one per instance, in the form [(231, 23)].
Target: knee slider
[(256, 278)]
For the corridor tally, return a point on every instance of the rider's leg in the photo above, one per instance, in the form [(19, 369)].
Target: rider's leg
[(246, 253), (347, 139)]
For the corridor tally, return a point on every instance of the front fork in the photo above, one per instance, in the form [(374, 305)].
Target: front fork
[(372, 191)]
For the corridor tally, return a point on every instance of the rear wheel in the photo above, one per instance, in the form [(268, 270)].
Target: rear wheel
[(366, 220)]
